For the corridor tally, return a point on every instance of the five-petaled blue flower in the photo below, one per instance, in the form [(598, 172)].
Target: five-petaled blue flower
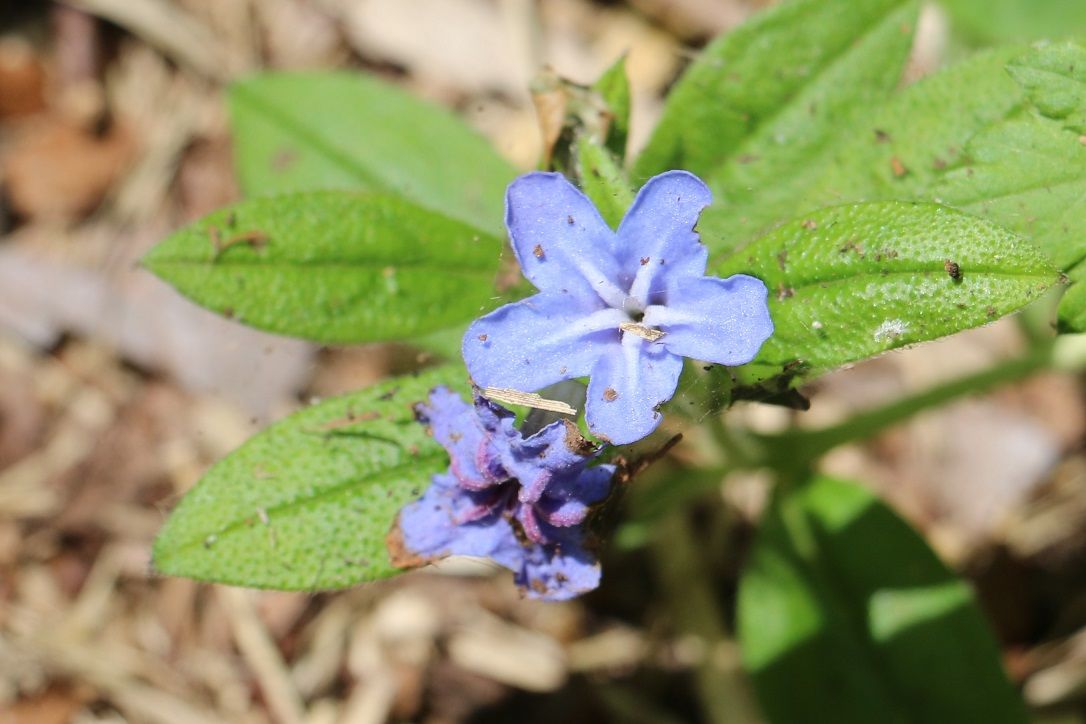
[(622, 307), (518, 501)]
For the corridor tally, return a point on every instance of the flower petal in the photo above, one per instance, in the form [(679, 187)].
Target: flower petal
[(567, 499), (558, 448), (717, 320), (628, 383), (538, 341), (561, 241), (657, 238), (457, 428), (559, 571), (432, 527)]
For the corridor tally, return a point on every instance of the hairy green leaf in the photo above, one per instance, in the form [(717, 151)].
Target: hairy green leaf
[(309, 131), (603, 181), (845, 615), (614, 87), (897, 151), (773, 90), (333, 266), (851, 282), (995, 21), (306, 504)]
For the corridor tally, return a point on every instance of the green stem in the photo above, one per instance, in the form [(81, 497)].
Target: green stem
[(683, 574), (807, 445)]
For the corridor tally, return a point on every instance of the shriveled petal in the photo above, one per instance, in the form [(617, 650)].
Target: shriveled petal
[(561, 242), (561, 571), (717, 320), (559, 449), (538, 341), (432, 527), (628, 383), (567, 499), (657, 240), (456, 427)]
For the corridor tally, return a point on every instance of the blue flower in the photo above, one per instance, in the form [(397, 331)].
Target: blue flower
[(621, 307), (517, 501)]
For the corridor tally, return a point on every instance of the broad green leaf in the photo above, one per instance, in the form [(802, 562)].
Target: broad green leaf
[(897, 151), (850, 282), (309, 131), (783, 157), (994, 21), (1054, 77), (791, 77), (603, 181), (968, 138), (910, 140), (614, 87), (306, 504), (845, 615), (332, 266), (1028, 172)]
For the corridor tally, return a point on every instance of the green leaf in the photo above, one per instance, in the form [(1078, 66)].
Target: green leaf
[(603, 181), (332, 266), (994, 21), (614, 87), (306, 504), (903, 148), (1028, 172), (850, 282), (1054, 77), (897, 151), (309, 131), (775, 89), (845, 615)]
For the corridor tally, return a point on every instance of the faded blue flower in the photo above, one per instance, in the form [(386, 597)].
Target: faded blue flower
[(621, 307), (517, 501)]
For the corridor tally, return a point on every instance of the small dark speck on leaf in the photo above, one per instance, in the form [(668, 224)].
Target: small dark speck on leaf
[(810, 224), (283, 159), (610, 395), (953, 269), (881, 136), (990, 311), (784, 292), (537, 252), (898, 167), (782, 259)]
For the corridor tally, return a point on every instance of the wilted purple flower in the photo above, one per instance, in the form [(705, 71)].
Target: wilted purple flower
[(518, 501), (622, 307)]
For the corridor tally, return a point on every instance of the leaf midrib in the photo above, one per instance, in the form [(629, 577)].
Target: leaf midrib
[(425, 265), (910, 272), (245, 523)]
